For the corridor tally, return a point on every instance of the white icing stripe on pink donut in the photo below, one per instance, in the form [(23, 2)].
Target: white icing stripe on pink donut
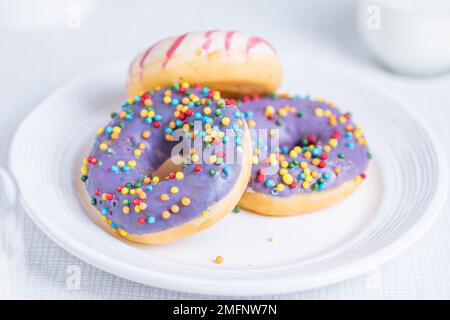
[(209, 40)]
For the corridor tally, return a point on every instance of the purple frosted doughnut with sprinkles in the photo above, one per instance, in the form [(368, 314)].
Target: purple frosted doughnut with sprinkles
[(308, 156), (146, 198)]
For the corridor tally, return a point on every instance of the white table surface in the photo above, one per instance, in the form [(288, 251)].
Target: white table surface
[(35, 62)]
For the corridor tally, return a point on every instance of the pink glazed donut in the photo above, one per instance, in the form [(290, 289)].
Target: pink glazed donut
[(232, 62)]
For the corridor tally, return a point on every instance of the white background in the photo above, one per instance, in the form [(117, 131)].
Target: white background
[(34, 62)]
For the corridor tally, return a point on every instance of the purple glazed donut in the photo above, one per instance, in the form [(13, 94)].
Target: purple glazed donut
[(308, 156), (121, 172)]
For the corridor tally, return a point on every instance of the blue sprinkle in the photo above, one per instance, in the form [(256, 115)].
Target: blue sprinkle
[(175, 102), (248, 114), (348, 134), (284, 150), (237, 114), (115, 169), (137, 99), (108, 130), (114, 226), (226, 169), (205, 90), (129, 117), (350, 144), (148, 120), (321, 186), (168, 130), (178, 123), (269, 183), (315, 152), (191, 104), (224, 139), (158, 117), (151, 219), (197, 116), (104, 211), (326, 175), (126, 168), (302, 176)]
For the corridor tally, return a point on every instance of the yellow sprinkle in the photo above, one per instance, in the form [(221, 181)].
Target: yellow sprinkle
[(167, 99), (125, 191), (212, 159), (318, 112), (179, 175), (195, 158), (284, 164), (164, 197), (204, 213), (287, 179), (114, 136), (226, 121), (123, 233), (132, 163), (280, 187), (103, 146), (293, 154), (156, 179), (84, 170), (143, 113), (175, 208), (185, 201), (174, 190), (207, 110), (218, 260), (251, 123), (148, 102), (303, 164), (166, 214), (315, 161), (142, 146), (145, 134), (307, 154), (100, 130), (333, 142), (143, 206), (305, 185), (142, 196), (282, 171), (137, 152)]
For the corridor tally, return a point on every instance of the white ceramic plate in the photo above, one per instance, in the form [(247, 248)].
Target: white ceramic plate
[(402, 195)]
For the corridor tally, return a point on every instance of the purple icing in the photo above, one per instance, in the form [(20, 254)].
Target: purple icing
[(300, 121), (201, 187)]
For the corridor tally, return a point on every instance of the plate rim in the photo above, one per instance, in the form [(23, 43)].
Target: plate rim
[(329, 276)]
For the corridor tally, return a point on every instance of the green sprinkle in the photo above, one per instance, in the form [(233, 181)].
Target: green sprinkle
[(84, 178), (236, 209), (212, 172)]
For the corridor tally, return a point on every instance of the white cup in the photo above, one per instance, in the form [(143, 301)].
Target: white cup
[(408, 36)]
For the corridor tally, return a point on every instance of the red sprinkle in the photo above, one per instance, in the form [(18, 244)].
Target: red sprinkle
[(198, 168), (141, 220)]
